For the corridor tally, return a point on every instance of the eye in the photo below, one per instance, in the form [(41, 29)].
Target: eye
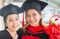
[(28, 15), (10, 20), (34, 14), (17, 19)]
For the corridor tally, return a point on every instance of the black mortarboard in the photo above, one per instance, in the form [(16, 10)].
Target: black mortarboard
[(36, 4), (9, 9)]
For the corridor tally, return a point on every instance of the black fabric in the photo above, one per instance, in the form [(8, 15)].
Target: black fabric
[(20, 33), (34, 5), (42, 35), (9, 9), (5, 35), (40, 5)]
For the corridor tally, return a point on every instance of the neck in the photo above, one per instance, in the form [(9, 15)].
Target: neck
[(35, 25)]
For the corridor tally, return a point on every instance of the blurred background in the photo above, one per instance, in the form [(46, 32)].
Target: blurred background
[(52, 8)]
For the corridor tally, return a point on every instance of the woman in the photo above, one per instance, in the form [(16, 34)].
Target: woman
[(11, 20), (34, 28)]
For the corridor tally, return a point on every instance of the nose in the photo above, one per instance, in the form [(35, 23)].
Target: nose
[(14, 22), (31, 18)]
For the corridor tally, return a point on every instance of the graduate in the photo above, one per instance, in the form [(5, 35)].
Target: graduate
[(33, 28), (11, 20)]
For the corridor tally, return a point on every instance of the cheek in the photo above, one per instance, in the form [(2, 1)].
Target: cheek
[(18, 22), (37, 18), (8, 24)]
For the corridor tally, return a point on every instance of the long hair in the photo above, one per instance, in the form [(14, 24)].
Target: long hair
[(27, 24)]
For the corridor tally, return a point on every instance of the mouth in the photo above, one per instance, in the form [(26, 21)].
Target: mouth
[(32, 22), (15, 26)]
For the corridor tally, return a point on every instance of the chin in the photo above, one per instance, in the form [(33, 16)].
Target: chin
[(14, 29), (32, 24)]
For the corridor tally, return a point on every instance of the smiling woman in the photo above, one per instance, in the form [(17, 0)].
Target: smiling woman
[(33, 28), (11, 20)]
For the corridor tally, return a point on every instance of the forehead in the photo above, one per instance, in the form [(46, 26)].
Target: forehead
[(12, 16), (31, 11)]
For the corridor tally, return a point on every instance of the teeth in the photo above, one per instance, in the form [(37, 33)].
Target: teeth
[(14, 26)]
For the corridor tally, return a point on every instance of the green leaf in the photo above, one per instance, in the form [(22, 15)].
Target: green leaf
[(52, 22)]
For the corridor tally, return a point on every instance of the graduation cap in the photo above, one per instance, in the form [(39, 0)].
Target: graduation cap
[(33, 4), (9, 9)]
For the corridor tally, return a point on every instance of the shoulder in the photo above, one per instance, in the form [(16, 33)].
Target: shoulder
[(20, 32), (3, 34)]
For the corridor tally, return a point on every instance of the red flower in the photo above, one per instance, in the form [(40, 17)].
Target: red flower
[(56, 19)]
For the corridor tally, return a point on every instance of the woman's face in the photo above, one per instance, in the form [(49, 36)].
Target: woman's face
[(33, 17), (12, 22)]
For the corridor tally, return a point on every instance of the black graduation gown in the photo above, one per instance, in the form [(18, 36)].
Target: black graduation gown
[(5, 35), (20, 33), (41, 36)]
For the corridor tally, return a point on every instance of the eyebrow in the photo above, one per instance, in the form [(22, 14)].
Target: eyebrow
[(15, 17)]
